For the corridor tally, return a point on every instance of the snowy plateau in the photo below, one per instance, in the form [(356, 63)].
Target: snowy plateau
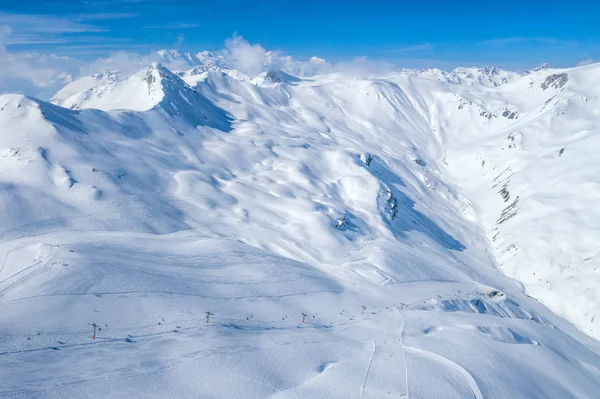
[(301, 232)]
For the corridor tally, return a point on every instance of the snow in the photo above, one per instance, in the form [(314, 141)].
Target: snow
[(372, 205), (174, 57), (119, 94), (486, 76), (84, 84), (546, 162)]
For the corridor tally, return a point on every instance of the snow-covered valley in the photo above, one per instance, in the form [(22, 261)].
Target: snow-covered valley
[(413, 234)]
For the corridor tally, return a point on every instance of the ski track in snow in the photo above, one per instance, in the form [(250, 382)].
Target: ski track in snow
[(362, 391), (388, 361), (27, 276), (468, 377)]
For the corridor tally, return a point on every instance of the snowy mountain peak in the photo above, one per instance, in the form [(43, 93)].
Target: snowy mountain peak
[(156, 73), (490, 70), (83, 84), (211, 61), (486, 76), (152, 88), (174, 57), (489, 76), (139, 92), (542, 67), (16, 104), (24, 110), (274, 78)]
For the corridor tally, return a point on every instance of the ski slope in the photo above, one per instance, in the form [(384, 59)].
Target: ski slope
[(379, 210)]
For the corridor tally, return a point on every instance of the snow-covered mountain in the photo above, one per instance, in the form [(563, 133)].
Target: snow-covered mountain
[(289, 236), (153, 88), (311, 67), (174, 57), (82, 85), (486, 76), (532, 196)]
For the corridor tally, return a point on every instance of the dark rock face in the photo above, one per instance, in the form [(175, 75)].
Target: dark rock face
[(486, 114), (273, 77), (510, 114), (420, 162), (556, 81)]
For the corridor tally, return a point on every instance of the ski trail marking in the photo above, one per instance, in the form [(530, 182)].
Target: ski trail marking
[(362, 391), (5, 258), (403, 350), (443, 360), (385, 367), (25, 277)]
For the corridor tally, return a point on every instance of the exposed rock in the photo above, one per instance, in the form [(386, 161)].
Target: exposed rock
[(556, 81)]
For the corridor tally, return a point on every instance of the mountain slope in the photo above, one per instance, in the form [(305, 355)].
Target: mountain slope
[(84, 84), (336, 229), (533, 183)]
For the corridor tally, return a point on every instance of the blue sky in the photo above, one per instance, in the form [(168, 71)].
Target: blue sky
[(509, 33)]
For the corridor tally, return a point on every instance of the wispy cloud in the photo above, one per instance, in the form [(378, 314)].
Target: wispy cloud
[(76, 50), (101, 16), (364, 67), (47, 31), (9, 38), (44, 24), (35, 74), (589, 61), (508, 41), (412, 48), (174, 26), (244, 56), (27, 39), (5, 31)]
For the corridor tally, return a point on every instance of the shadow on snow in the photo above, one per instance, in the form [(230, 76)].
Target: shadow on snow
[(405, 217)]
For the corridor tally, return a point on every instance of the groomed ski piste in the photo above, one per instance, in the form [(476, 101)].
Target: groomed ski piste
[(408, 235)]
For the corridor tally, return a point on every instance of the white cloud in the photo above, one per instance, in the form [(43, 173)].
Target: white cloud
[(33, 29), (123, 61), (245, 57), (507, 41), (36, 75), (5, 31), (104, 15), (32, 74), (415, 47), (44, 24), (21, 38), (362, 67), (589, 61), (175, 26)]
